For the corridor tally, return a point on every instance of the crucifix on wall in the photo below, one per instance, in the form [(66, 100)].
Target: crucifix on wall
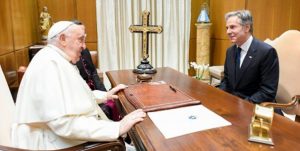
[(145, 29)]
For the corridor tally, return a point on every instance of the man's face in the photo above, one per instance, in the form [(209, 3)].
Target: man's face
[(237, 33), (75, 42)]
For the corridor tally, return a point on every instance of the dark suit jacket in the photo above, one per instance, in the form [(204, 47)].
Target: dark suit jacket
[(257, 79), (88, 71)]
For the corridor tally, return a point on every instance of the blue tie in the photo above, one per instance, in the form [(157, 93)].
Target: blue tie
[(238, 56)]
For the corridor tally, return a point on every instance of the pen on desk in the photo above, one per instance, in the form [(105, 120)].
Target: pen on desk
[(173, 89)]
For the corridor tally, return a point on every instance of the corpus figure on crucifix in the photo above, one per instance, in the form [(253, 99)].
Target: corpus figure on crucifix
[(145, 29)]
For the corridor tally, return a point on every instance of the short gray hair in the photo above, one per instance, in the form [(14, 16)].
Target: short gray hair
[(244, 16)]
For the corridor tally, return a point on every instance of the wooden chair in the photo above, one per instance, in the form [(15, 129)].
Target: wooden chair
[(288, 50), (7, 109), (216, 72)]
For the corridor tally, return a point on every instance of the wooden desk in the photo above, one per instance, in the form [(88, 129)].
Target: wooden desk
[(286, 133)]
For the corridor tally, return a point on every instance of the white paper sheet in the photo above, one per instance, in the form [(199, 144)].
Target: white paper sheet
[(185, 120)]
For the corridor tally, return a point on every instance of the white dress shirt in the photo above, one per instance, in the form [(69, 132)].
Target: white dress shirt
[(245, 47)]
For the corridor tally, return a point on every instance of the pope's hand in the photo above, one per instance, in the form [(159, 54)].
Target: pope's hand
[(113, 91), (129, 120)]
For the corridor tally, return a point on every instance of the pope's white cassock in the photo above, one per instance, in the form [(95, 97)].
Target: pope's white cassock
[(56, 108)]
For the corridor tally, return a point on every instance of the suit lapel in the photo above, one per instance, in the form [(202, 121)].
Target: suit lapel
[(247, 61)]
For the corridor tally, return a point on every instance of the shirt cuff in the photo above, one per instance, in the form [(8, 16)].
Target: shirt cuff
[(101, 96)]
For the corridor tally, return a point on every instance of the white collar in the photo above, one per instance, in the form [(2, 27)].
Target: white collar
[(61, 52), (245, 46)]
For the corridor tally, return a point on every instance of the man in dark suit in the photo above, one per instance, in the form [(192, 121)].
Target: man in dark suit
[(88, 71), (251, 69)]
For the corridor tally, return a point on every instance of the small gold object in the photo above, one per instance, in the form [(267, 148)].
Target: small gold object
[(260, 126)]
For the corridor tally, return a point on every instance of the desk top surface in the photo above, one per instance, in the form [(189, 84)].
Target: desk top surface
[(286, 133)]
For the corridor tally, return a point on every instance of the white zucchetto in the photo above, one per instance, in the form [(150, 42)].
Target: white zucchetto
[(58, 28)]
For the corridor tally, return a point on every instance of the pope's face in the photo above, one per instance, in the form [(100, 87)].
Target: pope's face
[(236, 32), (75, 42)]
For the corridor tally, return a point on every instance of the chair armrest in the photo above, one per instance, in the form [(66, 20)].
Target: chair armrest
[(94, 56), (294, 104), (295, 101), (216, 72), (117, 145), (10, 148)]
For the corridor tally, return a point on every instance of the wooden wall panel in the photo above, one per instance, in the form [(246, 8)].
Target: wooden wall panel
[(195, 10), (24, 23), (19, 23), (278, 18), (218, 50), (35, 22), (18, 30), (270, 22), (218, 10), (86, 13), (263, 18), (295, 15), (91, 46), (6, 38), (281, 17), (219, 41), (59, 9), (22, 58), (9, 68)]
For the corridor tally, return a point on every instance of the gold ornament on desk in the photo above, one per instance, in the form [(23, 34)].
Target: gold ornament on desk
[(260, 126), (145, 29), (45, 23)]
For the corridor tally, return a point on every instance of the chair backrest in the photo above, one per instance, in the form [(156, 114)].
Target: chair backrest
[(288, 49), (94, 55), (7, 108)]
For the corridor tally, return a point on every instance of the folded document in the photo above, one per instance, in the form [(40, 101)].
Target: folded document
[(185, 120)]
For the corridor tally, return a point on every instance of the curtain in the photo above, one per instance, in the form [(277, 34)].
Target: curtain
[(118, 48)]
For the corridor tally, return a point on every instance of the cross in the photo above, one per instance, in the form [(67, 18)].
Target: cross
[(145, 29)]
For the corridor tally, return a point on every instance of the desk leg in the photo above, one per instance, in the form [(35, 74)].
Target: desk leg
[(136, 140)]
